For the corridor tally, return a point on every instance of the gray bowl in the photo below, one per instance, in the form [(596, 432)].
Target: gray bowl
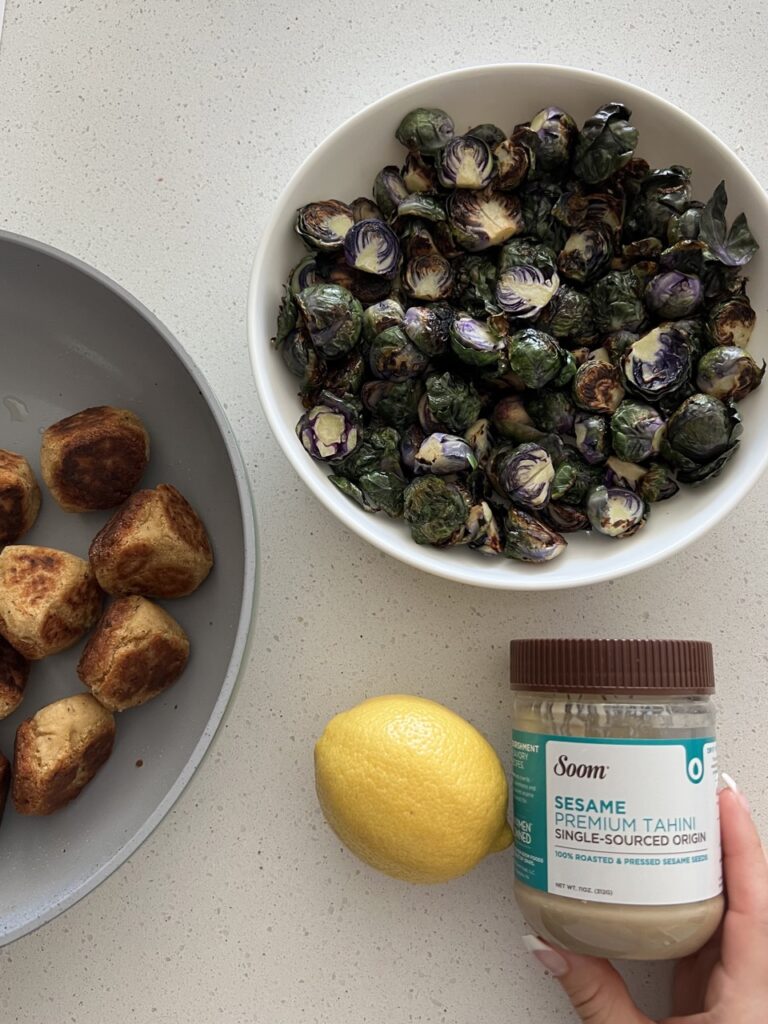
[(70, 338)]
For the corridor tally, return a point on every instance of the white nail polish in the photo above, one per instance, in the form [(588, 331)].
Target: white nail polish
[(548, 957), (730, 782)]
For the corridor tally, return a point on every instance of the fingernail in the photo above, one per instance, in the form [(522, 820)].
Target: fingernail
[(549, 958), (730, 783)]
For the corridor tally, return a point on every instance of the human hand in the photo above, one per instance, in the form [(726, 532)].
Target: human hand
[(726, 982)]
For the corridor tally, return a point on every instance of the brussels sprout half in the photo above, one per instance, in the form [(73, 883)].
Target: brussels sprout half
[(373, 247), (528, 539), (484, 218), (324, 225), (330, 430), (728, 372), (615, 512)]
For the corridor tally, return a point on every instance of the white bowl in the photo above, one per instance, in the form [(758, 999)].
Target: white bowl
[(344, 166)]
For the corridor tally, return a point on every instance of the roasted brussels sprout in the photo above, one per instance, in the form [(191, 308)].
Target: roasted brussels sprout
[(616, 512), (552, 411), (330, 430), (392, 356), (474, 285), (481, 219), (373, 247), (380, 316), (365, 209), (605, 144), (480, 438), (701, 436), (524, 291), (662, 193), (673, 294), (428, 327), (482, 530), (658, 484), (597, 386), (434, 509), (454, 403), (333, 317), (585, 255), (425, 130), (389, 190), (304, 274), (557, 134), (568, 314), (685, 224), (511, 420), (616, 302), (465, 162), (534, 357), (617, 343), (592, 436), (444, 453), (490, 134), (425, 207), (528, 539), (418, 175), (428, 278), (324, 225), (658, 363), (512, 164), (731, 321), (624, 475), (474, 342), (525, 475), (393, 402), (728, 372), (636, 431)]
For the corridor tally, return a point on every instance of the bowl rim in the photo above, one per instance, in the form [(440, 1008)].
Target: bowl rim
[(411, 553), (243, 633)]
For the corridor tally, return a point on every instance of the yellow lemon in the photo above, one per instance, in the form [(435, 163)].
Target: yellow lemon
[(412, 788)]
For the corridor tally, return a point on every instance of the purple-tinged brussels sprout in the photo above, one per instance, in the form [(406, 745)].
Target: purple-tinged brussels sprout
[(324, 225), (428, 327), (616, 302), (728, 372), (466, 162), (480, 439), (389, 190), (474, 286), (481, 219), (673, 294), (425, 130), (637, 430), (304, 274), (511, 420), (622, 474), (330, 430), (333, 317), (393, 402), (524, 291), (428, 278), (452, 401), (616, 512), (482, 530), (605, 144), (565, 518), (731, 321), (365, 209), (552, 412), (557, 134), (592, 437), (597, 386), (658, 484), (528, 539), (659, 362), (418, 175), (297, 352), (372, 247), (434, 509), (425, 207), (702, 434), (685, 223), (474, 342), (734, 247), (534, 357), (490, 134), (410, 442), (392, 356), (585, 255), (512, 163), (443, 454), (525, 475), (380, 316)]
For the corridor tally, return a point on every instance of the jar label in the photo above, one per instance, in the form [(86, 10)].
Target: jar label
[(617, 820)]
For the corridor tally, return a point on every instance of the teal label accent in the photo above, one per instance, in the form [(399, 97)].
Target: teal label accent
[(530, 808)]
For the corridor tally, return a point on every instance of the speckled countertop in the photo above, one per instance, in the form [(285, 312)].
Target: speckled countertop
[(151, 139)]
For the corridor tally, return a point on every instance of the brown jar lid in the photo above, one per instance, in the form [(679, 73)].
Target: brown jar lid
[(612, 666)]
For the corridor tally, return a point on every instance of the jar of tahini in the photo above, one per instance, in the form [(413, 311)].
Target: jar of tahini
[(617, 831)]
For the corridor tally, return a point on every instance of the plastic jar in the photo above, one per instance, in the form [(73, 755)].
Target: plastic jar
[(617, 828)]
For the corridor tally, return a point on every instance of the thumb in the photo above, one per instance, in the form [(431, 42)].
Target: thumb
[(596, 990)]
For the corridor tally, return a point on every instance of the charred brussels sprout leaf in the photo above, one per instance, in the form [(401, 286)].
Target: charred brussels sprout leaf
[(733, 247), (434, 509), (605, 144), (454, 403), (333, 317), (425, 130), (528, 539), (597, 386), (728, 372)]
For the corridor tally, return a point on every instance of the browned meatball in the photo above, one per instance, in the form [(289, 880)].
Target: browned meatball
[(19, 496), (154, 545), (5, 781), (94, 459), (14, 672)]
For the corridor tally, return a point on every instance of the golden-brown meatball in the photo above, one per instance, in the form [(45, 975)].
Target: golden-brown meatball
[(5, 781), (48, 599), (94, 459), (154, 545), (58, 751), (136, 651), (19, 496), (14, 671)]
